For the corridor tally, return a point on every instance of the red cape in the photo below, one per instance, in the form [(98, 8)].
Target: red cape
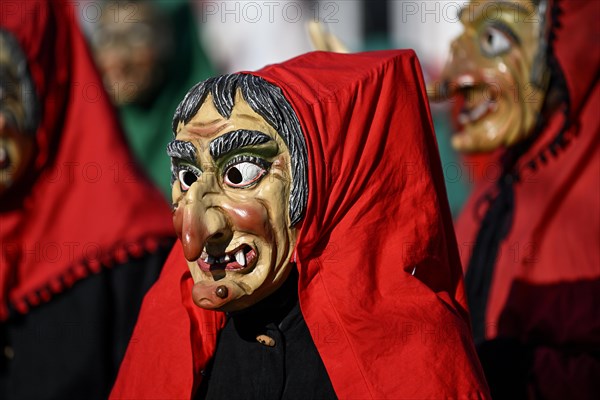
[(376, 210), (546, 284), (85, 205)]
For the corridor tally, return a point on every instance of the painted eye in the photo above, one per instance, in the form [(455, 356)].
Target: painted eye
[(494, 42), (186, 178), (243, 174)]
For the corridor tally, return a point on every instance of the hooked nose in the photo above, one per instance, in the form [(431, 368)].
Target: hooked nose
[(201, 224)]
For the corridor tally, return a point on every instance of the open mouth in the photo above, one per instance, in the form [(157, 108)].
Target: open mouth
[(241, 258), (475, 102)]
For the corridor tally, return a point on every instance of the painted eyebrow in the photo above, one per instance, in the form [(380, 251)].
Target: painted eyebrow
[(182, 150), (236, 140)]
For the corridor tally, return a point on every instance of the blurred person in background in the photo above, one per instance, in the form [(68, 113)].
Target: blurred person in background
[(149, 54), (524, 80), (83, 235)]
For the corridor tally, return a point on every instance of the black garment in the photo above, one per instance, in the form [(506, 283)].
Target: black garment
[(507, 365), (70, 348), (494, 228), (245, 369)]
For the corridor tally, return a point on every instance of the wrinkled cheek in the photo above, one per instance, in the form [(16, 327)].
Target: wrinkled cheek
[(249, 217)]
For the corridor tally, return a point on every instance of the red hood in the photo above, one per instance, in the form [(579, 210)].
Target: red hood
[(376, 210), (574, 42), (87, 205)]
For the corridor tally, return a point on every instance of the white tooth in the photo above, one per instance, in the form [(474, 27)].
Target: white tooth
[(226, 258), (240, 258)]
